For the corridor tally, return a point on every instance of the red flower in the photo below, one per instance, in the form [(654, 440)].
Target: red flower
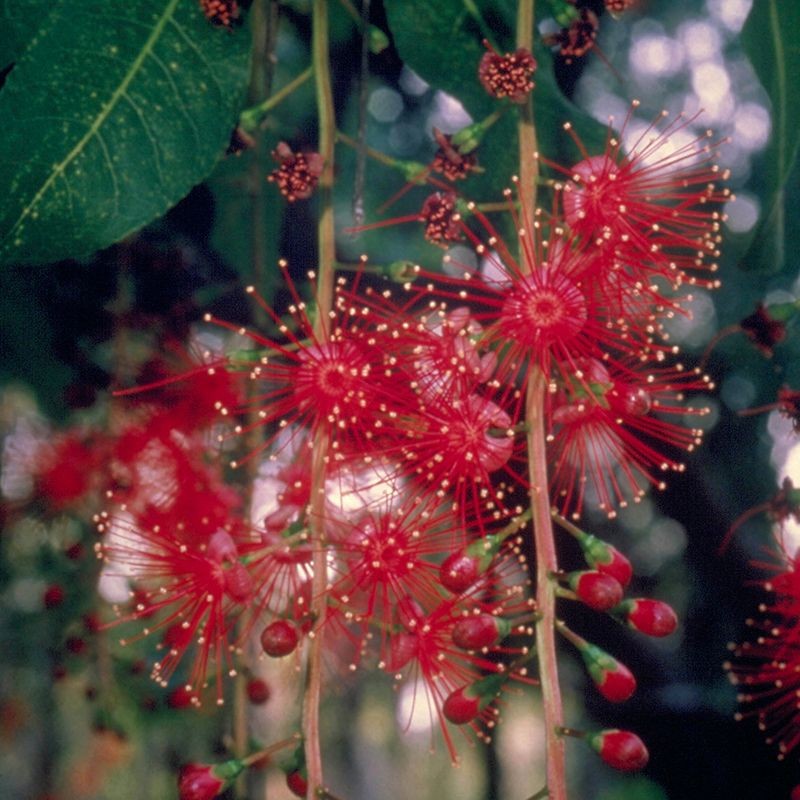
[(616, 428), (385, 557), (763, 329), (652, 209), (766, 669), (65, 470), (345, 381), (194, 585)]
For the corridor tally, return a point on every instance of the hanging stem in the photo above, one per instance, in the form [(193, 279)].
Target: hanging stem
[(528, 144), (546, 559), (321, 437), (546, 564)]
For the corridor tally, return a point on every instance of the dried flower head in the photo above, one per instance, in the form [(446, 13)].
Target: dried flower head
[(763, 330), (508, 75), (617, 7), (221, 12), (297, 174), (449, 160), (441, 220), (579, 38)]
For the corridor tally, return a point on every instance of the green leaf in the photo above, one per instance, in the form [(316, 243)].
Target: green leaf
[(771, 38), (111, 115), (18, 23)]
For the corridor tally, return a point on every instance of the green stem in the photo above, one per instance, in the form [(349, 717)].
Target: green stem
[(412, 171), (321, 438), (268, 751), (252, 117)]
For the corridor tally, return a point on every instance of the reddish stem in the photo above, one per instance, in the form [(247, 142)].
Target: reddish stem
[(546, 559), (546, 564), (321, 439)]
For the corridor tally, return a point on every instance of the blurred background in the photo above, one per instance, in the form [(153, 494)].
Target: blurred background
[(79, 715)]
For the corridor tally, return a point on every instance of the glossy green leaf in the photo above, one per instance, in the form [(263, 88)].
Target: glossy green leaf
[(771, 38), (111, 114), (19, 21)]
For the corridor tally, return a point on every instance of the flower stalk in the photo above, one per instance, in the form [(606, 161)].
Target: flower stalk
[(546, 559), (321, 440)]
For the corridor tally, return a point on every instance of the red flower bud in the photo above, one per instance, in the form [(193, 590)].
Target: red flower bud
[(279, 638), (207, 781), (597, 589), (621, 750), (297, 783), (612, 678), (258, 691), (651, 617), (459, 571), (53, 596), (465, 703), (480, 630), (607, 559), (460, 708)]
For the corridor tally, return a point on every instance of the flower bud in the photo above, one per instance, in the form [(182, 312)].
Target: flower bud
[(621, 750), (597, 589), (607, 559), (651, 617), (460, 570), (612, 678), (258, 691), (279, 638), (464, 704), (297, 783), (207, 781), (480, 630), (402, 648), (460, 708)]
